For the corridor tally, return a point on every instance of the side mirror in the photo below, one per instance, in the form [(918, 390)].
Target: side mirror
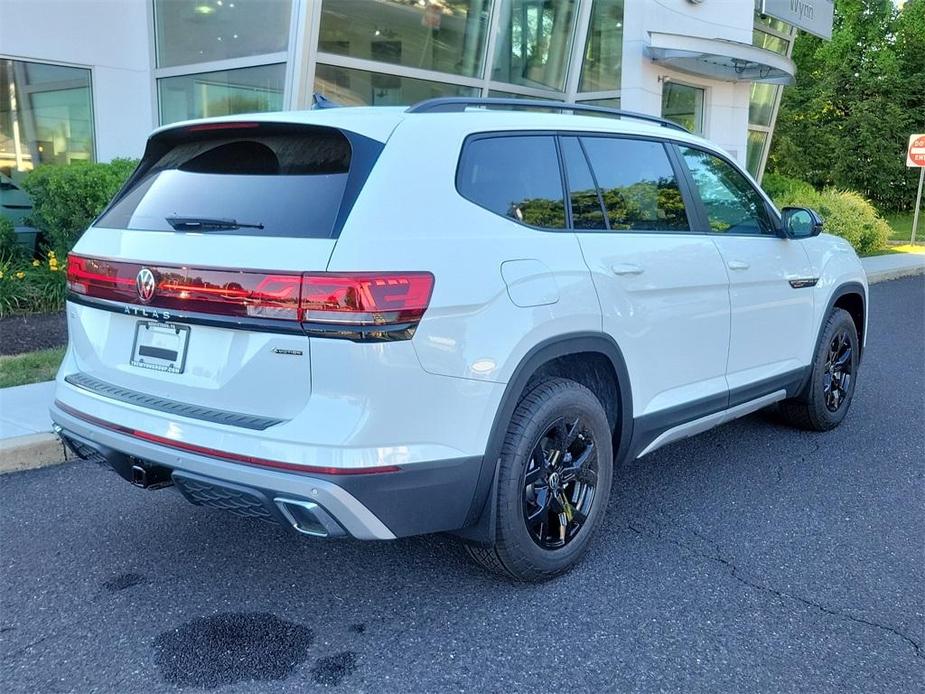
[(800, 222)]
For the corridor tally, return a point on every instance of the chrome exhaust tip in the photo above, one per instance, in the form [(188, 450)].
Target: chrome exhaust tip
[(309, 518)]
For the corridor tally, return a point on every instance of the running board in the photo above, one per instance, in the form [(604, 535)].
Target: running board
[(698, 426)]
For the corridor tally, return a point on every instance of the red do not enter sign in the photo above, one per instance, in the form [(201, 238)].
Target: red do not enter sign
[(915, 155)]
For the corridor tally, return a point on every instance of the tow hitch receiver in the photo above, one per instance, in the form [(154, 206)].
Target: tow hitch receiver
[(149, 476)]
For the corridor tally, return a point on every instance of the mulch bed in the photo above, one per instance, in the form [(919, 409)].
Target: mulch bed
[(20, 334)]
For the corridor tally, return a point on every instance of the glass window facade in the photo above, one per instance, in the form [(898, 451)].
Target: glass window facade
[(199, 31), (602, 61), (358, 87), (222, 93), (46, 116), (534, 42), (445, 36), (683, 104)]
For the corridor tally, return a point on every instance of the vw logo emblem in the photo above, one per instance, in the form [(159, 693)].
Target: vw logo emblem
[(145, 285)]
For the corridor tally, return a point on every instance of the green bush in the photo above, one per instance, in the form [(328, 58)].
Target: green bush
[(65, 199), (36, 286), (845, 213), (8, 246), (780, 186)]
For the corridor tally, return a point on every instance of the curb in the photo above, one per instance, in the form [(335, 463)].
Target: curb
[(898, 273), (30, 452)]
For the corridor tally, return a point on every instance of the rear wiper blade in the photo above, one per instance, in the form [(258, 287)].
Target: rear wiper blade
[(208, 224)]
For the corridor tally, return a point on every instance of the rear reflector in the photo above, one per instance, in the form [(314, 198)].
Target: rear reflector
[(222, 455), (341, 301)]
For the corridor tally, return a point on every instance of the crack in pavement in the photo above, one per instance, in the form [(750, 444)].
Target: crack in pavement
[(735, 573)]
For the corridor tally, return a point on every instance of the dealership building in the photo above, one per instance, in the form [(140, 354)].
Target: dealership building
[(89, 79)]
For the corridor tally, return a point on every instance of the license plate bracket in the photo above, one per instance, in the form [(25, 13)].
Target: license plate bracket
[(160, 346)]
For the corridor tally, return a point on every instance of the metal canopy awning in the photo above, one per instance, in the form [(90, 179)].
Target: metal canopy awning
[(729, 61)]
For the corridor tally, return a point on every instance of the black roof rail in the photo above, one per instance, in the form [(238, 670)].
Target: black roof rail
[(456, 104)]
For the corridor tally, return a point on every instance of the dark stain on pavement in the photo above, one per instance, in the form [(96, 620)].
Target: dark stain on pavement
[(358, 628), (123, 581), (231, 647), (331, 670)]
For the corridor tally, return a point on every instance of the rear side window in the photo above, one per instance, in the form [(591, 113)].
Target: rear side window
[(516, 177), (586, 205), (637, 183), (268, 181)]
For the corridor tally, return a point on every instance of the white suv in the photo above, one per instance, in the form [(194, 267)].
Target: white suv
[(381, 322)]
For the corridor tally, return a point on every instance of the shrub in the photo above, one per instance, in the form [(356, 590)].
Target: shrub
[(846, 213), (779, 186), (8, 246), (36, 286), (65, 199)]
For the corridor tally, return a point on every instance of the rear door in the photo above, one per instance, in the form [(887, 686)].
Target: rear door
[(662, 288), (187, 287), (770, 278)]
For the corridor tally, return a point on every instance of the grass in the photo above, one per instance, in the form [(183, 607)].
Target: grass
[(32, 367), (901, 223)]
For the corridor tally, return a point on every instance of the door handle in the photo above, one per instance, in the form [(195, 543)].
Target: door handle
[(737, 265), (626, 269)]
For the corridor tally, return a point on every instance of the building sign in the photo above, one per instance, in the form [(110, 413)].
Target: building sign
[(812, 16)]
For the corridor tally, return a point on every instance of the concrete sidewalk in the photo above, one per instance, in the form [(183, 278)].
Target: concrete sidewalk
[(890, 267), (26, 440)]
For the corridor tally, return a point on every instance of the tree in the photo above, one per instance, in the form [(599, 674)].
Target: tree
[(858, 97)]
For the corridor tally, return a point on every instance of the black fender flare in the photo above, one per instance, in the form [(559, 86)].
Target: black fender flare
[(480, 522), (840, 291)]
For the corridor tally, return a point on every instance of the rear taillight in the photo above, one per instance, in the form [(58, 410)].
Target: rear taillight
[(386, 305)]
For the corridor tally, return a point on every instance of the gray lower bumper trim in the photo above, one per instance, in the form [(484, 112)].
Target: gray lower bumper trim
[(181, 409), (350, 513)]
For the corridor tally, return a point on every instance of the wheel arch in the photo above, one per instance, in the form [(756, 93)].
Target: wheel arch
[(852, 296), (558, 356)]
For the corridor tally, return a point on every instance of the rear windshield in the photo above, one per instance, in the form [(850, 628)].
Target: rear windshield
[(248, 180)]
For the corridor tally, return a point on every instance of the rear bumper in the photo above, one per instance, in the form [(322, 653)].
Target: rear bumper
[(418, 498)]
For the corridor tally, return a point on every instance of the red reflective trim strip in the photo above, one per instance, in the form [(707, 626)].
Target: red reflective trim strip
[(223, 455), (220, 126)]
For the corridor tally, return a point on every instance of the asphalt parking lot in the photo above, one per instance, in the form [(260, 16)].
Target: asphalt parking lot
[(751, 558)]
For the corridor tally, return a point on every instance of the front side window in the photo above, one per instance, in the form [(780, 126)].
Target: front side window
[(637, 184), (516, 177), (732, 204)]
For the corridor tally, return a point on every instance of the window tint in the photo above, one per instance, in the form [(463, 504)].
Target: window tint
[(278, 184), (731, 203), (637, 183), (586, 206), (516, 177)]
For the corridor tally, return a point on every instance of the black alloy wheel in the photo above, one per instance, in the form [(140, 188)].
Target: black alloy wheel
[(560, 483), (836, 379)]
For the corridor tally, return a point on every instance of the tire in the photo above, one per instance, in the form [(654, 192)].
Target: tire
[(827, 398), (554, 412)]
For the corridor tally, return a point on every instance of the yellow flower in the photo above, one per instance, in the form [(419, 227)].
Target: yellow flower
[(54, 268), (1, 274), (20, 275), (52, 262), (35, 263), (51, 254)]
